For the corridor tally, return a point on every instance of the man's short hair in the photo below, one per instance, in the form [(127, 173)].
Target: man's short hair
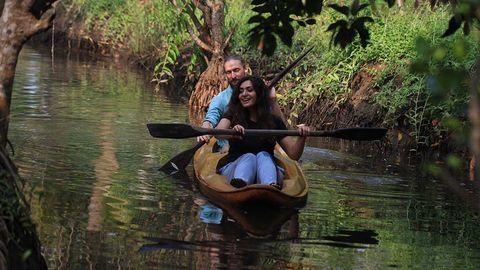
[(234, 57)]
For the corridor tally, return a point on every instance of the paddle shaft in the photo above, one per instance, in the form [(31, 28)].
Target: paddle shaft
[(280, 75), (267, 132), (361, 134), (180, 131)]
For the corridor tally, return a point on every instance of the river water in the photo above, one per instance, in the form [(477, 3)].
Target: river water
[(78, 127)]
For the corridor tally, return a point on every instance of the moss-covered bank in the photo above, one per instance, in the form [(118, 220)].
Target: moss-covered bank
[(333, 88)]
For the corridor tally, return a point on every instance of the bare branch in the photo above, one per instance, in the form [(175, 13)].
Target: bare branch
[(206, 11), (474, 115), (198, 25), (45, 21), (195, 20), (200, 5), (199, 42), (227, 39)]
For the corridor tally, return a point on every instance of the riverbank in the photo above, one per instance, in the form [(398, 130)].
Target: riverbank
[(332, 88)]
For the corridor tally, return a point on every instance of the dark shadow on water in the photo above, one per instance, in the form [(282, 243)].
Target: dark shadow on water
[(182, 179), (343, 239), (354, 237)]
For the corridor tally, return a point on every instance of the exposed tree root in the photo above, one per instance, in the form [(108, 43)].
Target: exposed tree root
[(211, 82)]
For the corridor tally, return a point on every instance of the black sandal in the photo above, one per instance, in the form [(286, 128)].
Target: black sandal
[(238, 183)]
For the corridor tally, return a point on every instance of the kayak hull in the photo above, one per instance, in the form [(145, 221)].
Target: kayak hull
[(215, 186)]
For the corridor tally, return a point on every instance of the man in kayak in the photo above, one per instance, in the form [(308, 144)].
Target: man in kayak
[(250, 159), (235, 69)]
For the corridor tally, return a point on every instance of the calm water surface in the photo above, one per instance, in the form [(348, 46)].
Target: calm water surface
[(78, 127)]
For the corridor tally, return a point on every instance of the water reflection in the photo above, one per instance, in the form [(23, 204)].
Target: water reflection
[(104, 167), (210, 214), (243, 252), (82, 144)]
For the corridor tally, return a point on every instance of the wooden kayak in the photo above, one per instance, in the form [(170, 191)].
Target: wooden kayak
[(215, 186)]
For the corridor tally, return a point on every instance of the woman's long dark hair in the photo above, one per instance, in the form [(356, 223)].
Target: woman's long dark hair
[(240, 114)]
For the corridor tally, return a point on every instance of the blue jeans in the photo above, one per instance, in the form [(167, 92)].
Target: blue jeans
[(254, 169)]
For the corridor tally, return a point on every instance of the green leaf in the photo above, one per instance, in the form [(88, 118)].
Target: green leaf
[(167, 71), (269, 44), (157, 67), (454, 161), (286, 34), (262, 9), (364, 36), (311, 21), (390, 3), (313, 6), (258, 2), (256, 19), (26, 254), (342, 9), (339, 23), (344, 36), (354, 6), (360, 21), (301, 23), (453, 25), (358, 9)]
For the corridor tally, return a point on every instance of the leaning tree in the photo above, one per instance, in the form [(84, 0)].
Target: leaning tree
[(19, 20)]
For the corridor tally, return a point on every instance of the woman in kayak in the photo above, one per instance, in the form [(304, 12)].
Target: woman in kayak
[(250, 159)]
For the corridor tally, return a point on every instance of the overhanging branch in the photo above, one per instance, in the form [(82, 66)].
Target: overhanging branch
[(44, 22)]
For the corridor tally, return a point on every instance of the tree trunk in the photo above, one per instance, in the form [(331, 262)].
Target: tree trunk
[(17, 25), (211, 82), (9, 50), (11, 41), (474, 115), (212, 40), (19, 20)]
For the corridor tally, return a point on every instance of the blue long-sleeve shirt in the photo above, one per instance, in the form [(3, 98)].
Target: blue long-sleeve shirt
[(218, 106)]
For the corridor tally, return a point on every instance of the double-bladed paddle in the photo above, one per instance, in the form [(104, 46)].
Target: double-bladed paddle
[(180, 161), (180, 131)]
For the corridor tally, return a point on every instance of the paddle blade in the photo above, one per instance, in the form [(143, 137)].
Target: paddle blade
[(180, 161), (173, 131), (359, 134)]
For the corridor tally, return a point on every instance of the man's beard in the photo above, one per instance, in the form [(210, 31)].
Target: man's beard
[(233, 82)]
